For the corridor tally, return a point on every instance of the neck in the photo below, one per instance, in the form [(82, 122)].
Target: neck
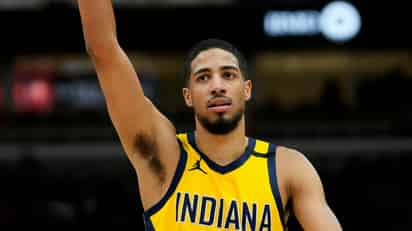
[(222, 149)]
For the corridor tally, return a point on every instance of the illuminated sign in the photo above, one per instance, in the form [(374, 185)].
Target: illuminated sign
[(34, 96), (338, 21)]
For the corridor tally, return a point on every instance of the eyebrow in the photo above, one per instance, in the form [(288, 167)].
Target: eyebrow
[(201, 70), (230, 68), (227, 67)]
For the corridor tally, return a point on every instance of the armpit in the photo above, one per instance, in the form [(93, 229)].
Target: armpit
[(148, 149)]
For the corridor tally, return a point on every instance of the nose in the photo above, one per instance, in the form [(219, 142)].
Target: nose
[(217, 86)]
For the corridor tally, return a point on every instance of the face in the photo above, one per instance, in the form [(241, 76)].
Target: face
[(217, 90)]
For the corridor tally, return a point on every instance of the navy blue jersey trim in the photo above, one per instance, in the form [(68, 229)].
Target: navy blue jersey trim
[(260, 155), (274, 183), (227, 168), (176, 178), (148, 226)]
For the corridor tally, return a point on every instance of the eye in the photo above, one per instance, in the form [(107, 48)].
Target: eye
[(202, 78), (229, 75)]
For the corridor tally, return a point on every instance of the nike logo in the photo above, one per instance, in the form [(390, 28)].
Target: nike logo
[(196, 166)]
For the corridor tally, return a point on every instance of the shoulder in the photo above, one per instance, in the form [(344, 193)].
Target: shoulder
[(297, 171), (291, 157), (284, 155), (294, 167)]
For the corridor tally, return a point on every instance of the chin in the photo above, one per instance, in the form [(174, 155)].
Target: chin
[(223, 124)]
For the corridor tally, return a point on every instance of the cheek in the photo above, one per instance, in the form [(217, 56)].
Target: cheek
[(241, 95), (197, 99)]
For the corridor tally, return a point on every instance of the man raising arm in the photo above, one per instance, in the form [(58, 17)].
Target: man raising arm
[(218, 178), (147, 137)]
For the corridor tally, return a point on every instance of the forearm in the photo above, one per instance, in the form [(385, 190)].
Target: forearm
[(98, 23)]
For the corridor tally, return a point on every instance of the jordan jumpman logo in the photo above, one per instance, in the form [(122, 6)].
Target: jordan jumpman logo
[(196, 166)]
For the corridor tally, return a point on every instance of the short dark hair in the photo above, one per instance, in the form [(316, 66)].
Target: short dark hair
[(214, 43)]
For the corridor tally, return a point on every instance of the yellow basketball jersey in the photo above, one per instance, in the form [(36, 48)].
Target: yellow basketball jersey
[(204, 196)]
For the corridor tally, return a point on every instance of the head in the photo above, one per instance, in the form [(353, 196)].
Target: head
[(217, 87)]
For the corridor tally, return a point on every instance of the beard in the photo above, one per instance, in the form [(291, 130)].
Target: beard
[(222, 125)]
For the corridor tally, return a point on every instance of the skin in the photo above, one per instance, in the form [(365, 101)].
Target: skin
[(217, 72), (152, 147)]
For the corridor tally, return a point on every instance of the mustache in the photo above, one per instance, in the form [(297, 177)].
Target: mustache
[(220, 97)]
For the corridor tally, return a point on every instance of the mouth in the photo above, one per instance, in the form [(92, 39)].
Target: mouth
[(220, 104)]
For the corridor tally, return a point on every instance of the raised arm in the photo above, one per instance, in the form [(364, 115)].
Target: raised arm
[(124, 96), (146, 135), (306, 194)]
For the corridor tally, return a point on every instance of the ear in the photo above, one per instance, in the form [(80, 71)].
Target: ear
[(247, 87), (187, 96)]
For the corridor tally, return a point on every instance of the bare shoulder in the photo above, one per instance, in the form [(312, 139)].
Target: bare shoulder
[(292, 158), (294, 169)]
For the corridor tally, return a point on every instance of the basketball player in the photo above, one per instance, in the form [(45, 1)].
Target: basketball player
[(213, 178)]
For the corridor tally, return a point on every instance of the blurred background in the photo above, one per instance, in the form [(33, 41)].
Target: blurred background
[(332, 79)]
